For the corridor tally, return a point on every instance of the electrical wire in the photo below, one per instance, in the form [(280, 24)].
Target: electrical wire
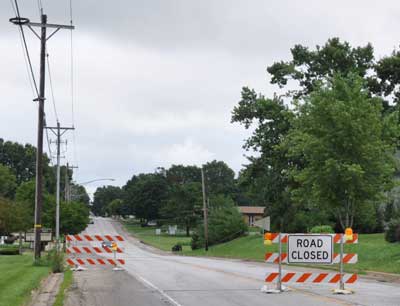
[(51, 88), (25, 48)]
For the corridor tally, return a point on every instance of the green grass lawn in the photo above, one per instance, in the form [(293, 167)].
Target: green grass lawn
[(374, 253), (18, 277), (164, 241)]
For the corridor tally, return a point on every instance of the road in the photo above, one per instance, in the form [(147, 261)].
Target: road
[(194, 281)]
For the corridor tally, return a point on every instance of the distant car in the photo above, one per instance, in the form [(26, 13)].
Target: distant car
[(107, 244)]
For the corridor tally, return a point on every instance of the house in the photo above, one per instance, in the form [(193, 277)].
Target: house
[(251, 213)]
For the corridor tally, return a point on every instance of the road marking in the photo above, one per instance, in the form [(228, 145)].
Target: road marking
[(162, 292)]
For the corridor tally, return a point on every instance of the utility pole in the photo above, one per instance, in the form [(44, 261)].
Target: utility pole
[(67, 187), (58, 131), (205, 210), (20, 21)]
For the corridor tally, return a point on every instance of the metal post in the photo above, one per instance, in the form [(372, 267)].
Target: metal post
[(341, 263), (39, 153), (279, 285), (58, 186), (205, 212)]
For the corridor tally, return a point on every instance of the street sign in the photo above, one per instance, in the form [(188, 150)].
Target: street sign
[(45, 235), (310, 249), (263, 223), (114, 246)]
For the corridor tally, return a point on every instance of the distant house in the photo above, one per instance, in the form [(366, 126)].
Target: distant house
[(251, 213)]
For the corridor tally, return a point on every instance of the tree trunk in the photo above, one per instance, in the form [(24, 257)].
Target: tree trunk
[(187, 230)]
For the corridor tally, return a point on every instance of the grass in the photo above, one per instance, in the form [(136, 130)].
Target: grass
[(67, 281), (163, 242), (374, 253), (18, 278)]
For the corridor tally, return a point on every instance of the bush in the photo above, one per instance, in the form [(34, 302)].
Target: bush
[(56, 260), (9, 251), (392, 233), (177, 248), (322, 229), (224, 224)]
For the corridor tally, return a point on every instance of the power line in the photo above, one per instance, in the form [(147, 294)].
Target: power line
[(51, 88), (25, 48)]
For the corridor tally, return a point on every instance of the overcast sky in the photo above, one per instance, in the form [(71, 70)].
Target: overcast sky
[(156, 81)]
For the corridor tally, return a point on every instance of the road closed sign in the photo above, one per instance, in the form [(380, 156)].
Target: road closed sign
[(310, 249)]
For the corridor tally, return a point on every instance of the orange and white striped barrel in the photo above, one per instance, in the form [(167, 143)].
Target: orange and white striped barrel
[(301, 277)]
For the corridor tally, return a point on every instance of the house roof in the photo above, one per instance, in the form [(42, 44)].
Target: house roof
[(252, 210)]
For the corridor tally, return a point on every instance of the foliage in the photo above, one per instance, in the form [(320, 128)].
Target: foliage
[(184, 205), (56, 260), (224, 224), (145, 194), (322, 229), (7, 182), (219, 178), (392, 233), (348, 158), (9, 251), (67, 282), (180, 174), (75, 217), (114, 208), (104, 196), (14, 217)]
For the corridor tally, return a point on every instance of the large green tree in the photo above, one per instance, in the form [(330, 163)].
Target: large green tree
[(347, 147), (103, 196), (7, 182)]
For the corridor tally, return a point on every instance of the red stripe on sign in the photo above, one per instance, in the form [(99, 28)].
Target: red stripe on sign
[(336, 238), (270, 278), (273, 236), (335, 279), (70, 262), (87, 250), (121, 261), (287, 277), (88, 238), (107, 250), (352, 279), (109, 237), (119, 238), (268, 255), (98, 250), (348, 257), (119, 250), (77, 250), (91, 261), (320, 277), (111, 261), (99, 238), (303, 277), (68, 251), (284, 239), (355, 238), (69, 238), (80, 261), (77, 237), (101, 261)]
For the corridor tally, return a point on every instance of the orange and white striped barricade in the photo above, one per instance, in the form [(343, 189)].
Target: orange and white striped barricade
[(81, 252), (310, 249)]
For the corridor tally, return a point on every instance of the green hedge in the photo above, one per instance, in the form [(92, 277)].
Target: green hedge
[(322, 229), (392, 233), (9, 251)]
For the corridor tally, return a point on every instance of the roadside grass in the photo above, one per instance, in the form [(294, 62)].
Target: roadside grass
[(18, 277), (163, 242), (374, 253), (67, 281)]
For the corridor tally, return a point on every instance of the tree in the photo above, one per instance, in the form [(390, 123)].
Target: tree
[(310, 68), (184, 205), (7, 182), (145, 194), (219, 178), (104, 196), (180, 174), (346, 145), (114, 208), (225, 223)]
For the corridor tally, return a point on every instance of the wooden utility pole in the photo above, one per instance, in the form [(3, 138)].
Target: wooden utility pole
[(39, 153), (205, 210)]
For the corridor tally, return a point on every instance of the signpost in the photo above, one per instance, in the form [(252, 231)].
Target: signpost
[(310, 249)]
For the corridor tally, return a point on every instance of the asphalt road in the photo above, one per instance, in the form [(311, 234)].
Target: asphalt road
[(156, 278)]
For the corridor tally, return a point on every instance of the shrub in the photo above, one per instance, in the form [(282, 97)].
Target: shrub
[(392, 233), (224, 224), (322, 229), (9, 251), (177, 248), (56, 260)]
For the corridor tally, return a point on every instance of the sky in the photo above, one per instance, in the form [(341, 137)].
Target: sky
[(155, 81)]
